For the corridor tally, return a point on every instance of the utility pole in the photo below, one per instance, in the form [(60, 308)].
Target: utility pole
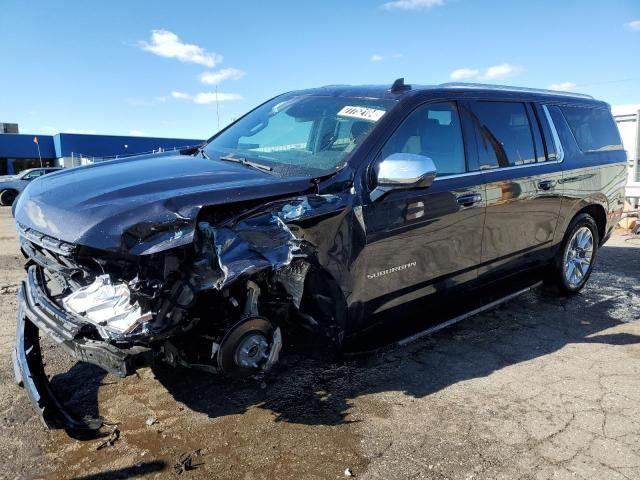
[(35, 140)]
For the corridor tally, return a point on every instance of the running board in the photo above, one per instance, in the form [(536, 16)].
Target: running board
[(448, 323)]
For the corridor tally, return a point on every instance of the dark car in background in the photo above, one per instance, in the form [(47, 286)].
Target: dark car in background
[(321, 211), (12, 185)]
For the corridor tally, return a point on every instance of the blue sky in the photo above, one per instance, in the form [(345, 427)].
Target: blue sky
[(152, 67)]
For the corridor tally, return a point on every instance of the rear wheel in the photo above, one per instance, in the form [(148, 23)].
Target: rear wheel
[(576, 258), (7, 197)]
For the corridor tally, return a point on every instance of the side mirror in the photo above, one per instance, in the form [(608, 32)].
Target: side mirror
[(403, 171)]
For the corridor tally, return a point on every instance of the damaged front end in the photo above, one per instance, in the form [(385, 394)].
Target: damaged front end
[(220, 303)]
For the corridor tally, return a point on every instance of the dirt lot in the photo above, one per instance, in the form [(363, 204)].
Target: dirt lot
[(538, 388)]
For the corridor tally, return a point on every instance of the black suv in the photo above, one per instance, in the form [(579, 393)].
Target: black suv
[(320, 211)]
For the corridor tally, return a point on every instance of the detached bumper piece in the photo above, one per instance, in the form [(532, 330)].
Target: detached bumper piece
[(37, 313)]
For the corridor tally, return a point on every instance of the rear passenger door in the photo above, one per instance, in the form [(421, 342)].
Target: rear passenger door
[(523, 184)]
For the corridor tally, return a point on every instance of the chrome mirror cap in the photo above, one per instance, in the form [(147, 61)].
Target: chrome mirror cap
[(406, 170), (403, 171)]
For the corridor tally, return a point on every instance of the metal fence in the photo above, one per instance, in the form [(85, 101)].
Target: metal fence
[(78, 159)]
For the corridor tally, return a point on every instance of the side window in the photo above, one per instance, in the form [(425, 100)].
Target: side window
[(543, 121), (505, 137), (432, 130), (34, 174), (593, 128)]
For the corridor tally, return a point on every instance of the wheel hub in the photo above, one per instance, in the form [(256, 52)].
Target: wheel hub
[(251, 351), (578, 257)]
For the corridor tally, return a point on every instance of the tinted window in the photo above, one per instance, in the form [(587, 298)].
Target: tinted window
[(505, 134), (593, 128), (432, 130)]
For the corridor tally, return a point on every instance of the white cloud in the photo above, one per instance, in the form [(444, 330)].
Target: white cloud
[(564, 86), (464, 74), (206, 98), (376, 58), (138, 133), (168, 44), (214, 78), (55, 130), (79, 131), (497, 72), (412, 4), (494, 72), (633, 25), (181, 95)]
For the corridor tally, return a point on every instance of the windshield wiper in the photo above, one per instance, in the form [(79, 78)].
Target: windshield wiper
[(244, 161), (200, 151)]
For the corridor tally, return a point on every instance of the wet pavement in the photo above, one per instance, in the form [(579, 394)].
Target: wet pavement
[(541, 387)]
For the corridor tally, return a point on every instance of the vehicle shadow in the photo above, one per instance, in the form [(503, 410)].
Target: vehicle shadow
[(138, 470), (314, 389)]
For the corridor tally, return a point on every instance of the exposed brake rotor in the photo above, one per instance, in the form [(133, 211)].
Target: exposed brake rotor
[(250, 346)]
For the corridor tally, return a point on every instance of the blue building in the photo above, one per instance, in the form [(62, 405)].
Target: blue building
[(19, 152)]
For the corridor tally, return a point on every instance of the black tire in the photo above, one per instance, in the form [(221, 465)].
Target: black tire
[(7, 197), (560, 268)]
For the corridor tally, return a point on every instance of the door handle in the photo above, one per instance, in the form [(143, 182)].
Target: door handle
[(546, 184), (469, 199)]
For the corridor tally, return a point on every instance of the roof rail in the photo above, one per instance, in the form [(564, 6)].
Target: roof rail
[(507, 88)]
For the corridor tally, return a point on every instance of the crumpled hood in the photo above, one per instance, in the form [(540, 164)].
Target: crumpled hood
[(141, 205)]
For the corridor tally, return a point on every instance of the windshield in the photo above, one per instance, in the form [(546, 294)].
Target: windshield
[(27, 173), (300, 135)]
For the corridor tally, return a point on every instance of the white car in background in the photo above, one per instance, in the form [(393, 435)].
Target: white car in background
[(12, 185)]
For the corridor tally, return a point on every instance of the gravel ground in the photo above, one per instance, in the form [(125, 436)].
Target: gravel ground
[(538, 388)]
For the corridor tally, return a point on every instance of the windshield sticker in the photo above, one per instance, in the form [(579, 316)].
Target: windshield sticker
[(362, 113)]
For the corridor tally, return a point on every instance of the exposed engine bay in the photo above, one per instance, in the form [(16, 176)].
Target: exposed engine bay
[(218, 304)]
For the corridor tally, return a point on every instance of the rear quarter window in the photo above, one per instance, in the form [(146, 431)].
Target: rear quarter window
[(593, 128)]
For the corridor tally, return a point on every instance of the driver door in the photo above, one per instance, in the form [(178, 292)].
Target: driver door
[(421, 241)]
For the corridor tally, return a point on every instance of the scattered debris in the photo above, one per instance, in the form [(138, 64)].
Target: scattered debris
[(111, 439), (8, 289), (185, 462), (151, 421)]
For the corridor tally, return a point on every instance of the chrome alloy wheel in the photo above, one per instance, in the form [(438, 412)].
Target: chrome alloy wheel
[(578, 257)]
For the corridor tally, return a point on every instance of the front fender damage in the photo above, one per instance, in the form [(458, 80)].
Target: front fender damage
[(251, 279), (261, 257), (280, 242)]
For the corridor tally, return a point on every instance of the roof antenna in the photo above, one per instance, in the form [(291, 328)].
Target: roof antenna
[(399, 86)]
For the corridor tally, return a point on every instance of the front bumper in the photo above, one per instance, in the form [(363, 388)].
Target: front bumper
[(37, 313)]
